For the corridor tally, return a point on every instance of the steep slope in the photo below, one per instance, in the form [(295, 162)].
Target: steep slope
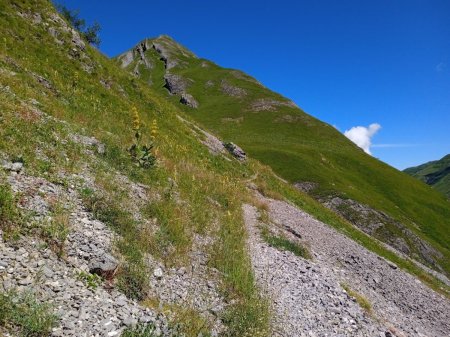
[(313, 155), (434, 173), (98, 239), (94, 241)]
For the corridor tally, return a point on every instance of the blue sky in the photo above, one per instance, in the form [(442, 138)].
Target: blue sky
[(349, 63)]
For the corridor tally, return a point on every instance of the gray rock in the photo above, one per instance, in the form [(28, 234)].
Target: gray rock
[(103, 265), (371, 221), (188, 100), (130, 321), (236, 151), (306, 186), (101, 148), (176, 84), (13, 167), (264, 104), (158, 273)]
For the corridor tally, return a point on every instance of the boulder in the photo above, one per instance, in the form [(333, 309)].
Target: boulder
[(188, 100), (236, 151), (104, 265)]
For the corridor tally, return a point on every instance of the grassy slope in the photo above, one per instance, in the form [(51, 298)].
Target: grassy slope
[(210, 186), (306, 149), (435, 173)]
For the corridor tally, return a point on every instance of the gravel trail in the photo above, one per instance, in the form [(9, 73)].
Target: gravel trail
[(307, 294)]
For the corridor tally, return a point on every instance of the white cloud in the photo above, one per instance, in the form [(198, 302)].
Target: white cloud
[(362, 136)]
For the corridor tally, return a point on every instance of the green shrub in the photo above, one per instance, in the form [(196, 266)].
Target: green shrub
[(55, 232), (92, 281), (23, 313), (248, 318), (90, 33), (132, 280)]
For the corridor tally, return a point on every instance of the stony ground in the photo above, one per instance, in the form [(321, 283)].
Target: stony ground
[(29, 264), (308, 299)]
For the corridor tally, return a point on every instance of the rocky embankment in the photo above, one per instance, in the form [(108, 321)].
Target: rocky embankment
[(84, 305), (30, 265), (308, 296)]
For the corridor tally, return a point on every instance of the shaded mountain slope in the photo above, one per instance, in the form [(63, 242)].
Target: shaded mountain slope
[(299, 148), (434, 173)]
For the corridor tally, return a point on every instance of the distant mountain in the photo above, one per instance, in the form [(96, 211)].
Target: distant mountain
[(435, 173), (306, 152)]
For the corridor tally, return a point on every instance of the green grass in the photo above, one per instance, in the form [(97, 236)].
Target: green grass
[(141, 330), (282, 243), (363, 302), (21, 312), (303, 148), (8, 210)]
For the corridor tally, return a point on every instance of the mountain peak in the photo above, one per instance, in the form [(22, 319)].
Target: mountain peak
[(170, 51)]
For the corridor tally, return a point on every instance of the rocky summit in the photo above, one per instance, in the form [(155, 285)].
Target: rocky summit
[(158, 194)]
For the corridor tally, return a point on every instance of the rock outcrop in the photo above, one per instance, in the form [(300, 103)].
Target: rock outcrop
[(189, 100), (383, 227), (235, 151)]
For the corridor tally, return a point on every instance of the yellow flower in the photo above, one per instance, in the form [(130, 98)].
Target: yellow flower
[(154, 130), (136, 120)]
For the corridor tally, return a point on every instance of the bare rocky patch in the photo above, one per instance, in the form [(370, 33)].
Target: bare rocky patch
[(231, 90)]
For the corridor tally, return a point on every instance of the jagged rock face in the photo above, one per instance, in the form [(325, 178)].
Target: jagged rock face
[(177, 85), (126, 58), (137, 53), (380, 225)]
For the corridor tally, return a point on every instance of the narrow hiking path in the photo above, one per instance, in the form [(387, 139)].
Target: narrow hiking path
[(308, 298)]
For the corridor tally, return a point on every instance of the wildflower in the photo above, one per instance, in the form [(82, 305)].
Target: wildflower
[(136, 120), (154, 130)]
